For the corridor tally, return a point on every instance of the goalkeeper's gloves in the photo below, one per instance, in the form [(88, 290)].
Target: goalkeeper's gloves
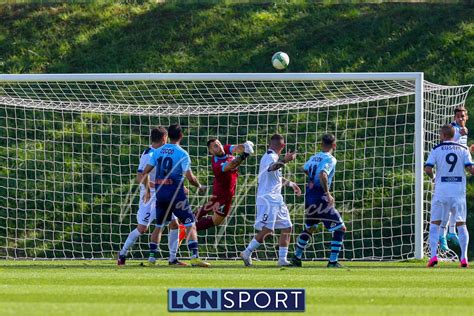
[(248, 147)]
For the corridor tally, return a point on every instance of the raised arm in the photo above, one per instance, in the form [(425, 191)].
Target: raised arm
[(245, 147), (245, 150), (463, 130), (235, 163), (289, 156), (237, 149)]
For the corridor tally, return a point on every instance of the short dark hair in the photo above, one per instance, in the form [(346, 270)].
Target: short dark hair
[(328, 139), (276, 139), (460, 109), (210, 141), (157, 134), (447, 130), (175, 132)]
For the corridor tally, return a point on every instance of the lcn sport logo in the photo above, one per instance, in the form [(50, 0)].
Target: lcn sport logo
[(235, 300)]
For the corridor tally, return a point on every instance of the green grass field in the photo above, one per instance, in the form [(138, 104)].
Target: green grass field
[(364, 288)]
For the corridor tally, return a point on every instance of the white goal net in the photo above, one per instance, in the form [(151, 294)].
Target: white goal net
[(70, 147)]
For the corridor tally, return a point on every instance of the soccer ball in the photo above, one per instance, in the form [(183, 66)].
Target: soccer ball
[(280, 60)]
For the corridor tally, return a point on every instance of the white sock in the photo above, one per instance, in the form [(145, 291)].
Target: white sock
[(254, 244), (452, 229), (132, 237), (463, 240), (442, 231), (434, 236), (173, 243), (282, 253)]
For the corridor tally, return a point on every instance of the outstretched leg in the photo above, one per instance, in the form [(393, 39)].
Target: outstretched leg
[(254, 244), (131, 239), (301, 243), (220, 207)]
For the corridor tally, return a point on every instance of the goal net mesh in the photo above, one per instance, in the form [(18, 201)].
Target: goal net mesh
[(69, 153)]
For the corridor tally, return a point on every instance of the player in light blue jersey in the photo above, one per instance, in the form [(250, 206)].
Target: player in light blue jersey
[(146, 212), (172, 165), (319, 203)]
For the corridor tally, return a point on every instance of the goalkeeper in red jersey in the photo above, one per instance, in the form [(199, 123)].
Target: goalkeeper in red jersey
[(225, 168)]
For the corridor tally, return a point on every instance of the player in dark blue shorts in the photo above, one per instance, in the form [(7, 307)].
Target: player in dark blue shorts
[(172, 165), (319, 203)]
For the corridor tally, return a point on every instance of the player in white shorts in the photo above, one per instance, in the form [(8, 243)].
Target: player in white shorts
[(449, 198), (272, 212), (460, 136), (147, 207)]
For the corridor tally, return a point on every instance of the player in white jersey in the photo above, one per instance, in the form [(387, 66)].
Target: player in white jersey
[(147, 205), (272, 212), (459, 124), (460, 136), (449, 198)]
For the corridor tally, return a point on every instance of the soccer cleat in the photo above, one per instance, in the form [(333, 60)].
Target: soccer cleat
[(247, 259), (433, 261), (182, 234), (453, 239), (177, 263), (198, 262), (443, 244), (295, 261), (151, 261), (464, 263), (284, 263), (334, 265), (121, 260)]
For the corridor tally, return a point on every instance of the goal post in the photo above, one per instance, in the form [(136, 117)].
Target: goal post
[(419, 158), (70, 144)]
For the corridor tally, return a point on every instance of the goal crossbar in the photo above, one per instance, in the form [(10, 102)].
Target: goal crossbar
[(212, 76)]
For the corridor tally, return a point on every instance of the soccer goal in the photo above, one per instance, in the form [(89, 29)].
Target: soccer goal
[(70, 147)]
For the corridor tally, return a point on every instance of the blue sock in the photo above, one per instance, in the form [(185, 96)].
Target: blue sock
[(336, 245), (301, 243), (153, 249), (193, 248)]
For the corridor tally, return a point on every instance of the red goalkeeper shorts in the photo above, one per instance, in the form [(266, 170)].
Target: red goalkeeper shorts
[(218, 205)]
